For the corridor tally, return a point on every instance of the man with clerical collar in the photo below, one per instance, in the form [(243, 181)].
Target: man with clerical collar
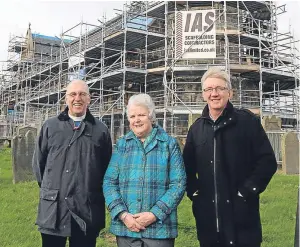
[(71, 156)]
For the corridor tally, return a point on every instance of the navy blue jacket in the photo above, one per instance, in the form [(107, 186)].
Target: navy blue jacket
[(223, 158)]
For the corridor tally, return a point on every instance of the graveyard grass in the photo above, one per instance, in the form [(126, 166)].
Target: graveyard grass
[(18, 204)]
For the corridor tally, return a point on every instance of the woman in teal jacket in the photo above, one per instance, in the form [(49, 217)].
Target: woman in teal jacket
[(145, 180)]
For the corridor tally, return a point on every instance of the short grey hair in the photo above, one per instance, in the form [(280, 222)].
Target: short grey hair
[(143, 100), (77, 81), (215, 72)]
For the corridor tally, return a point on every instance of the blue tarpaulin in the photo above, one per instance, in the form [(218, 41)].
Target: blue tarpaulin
[(139, 23)]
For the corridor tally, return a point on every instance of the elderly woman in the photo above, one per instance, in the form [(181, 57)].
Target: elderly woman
[(145, 181)]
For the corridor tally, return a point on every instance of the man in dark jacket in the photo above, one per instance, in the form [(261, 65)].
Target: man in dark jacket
[(71, 156), (229, 162)]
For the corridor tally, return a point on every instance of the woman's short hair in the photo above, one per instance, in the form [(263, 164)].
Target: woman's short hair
[(215, 72), (143, 100)]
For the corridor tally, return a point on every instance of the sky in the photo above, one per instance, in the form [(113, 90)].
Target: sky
[(51, 17)]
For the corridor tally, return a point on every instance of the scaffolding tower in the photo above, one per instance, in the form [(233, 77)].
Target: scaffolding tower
[(135, 52)]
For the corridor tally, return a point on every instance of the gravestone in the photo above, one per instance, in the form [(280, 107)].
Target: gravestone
[(6, 144), (22, 152), (271, 123), (290, 153), (23, 130)]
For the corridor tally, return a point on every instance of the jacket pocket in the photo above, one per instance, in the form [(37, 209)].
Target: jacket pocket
[(97, 209), (246, 211), (203, 211), (94, 142), (48, 208)]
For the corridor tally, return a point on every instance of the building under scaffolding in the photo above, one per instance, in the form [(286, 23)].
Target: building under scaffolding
[(135, 52)]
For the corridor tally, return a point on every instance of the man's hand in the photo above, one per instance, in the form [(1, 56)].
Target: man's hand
[(145, 218), (131, 223)]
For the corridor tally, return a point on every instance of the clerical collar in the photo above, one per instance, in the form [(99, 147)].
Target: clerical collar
[(77, 118)]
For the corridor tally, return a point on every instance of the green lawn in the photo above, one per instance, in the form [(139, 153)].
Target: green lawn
[(18, 204)]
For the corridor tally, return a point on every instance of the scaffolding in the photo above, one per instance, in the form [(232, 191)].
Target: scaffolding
[(135, 52)]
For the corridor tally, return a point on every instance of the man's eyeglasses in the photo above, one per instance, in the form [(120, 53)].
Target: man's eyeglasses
[(80, 94), (217, 89)]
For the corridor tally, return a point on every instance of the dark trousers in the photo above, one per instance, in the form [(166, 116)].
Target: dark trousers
[(78, 238), (221, 245), (144, 242)]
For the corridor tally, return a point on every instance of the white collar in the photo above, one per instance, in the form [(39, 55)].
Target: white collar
[(77, 118)]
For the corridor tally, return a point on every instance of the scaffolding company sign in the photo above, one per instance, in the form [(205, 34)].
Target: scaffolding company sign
[(195, 34)]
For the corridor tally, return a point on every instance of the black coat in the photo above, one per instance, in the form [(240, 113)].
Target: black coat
[(69, 166), (223, 158)]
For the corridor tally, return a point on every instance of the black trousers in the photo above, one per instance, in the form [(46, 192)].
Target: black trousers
[(221, 245), (144, 242), (78, 238)]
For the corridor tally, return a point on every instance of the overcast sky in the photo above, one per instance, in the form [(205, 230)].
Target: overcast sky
[(52, 16)]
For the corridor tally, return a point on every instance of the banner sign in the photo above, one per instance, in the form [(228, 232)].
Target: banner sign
[(195, 34)]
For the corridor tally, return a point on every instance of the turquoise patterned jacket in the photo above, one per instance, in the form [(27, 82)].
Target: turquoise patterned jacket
[(145, 177)]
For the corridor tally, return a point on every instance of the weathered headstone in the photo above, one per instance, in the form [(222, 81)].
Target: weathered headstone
[(22, 152), (23, 130), (290, 153), (271, 123), (6, 144)]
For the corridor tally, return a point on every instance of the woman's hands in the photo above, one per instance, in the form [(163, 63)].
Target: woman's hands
[(137, 222), (131, 223), (145, 218)]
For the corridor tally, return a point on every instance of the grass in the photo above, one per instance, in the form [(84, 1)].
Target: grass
[(18, 206)]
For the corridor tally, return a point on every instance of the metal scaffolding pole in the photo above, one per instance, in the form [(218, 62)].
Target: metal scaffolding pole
[(124, 71), (166, 68), (260, 74)]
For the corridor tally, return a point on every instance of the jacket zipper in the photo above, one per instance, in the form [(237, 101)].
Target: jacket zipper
[(215, 183)]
